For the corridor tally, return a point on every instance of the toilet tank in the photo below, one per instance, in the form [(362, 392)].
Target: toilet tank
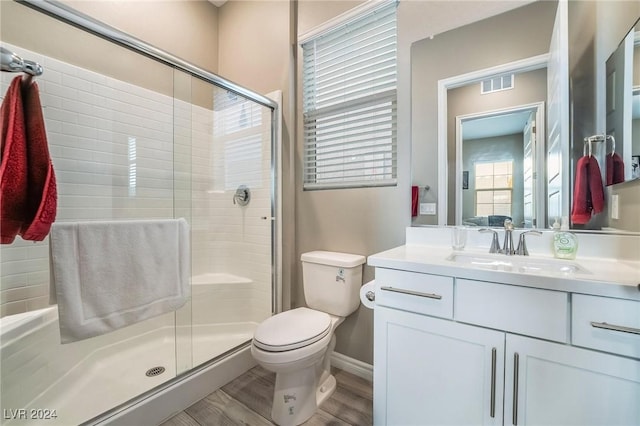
[(332, 281)]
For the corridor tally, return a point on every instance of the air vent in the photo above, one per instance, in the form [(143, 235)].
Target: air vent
[(497, 84)]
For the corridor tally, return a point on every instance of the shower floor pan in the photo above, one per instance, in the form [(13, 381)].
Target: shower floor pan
[(114, 374)]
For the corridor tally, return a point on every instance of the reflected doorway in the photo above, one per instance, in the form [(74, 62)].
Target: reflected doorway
[(500, 167)]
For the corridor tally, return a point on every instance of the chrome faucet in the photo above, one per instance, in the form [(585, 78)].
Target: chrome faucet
[(522, 246), (495, 243), (507, 246)]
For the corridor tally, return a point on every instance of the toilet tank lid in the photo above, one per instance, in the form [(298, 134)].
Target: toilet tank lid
[(343, 260)]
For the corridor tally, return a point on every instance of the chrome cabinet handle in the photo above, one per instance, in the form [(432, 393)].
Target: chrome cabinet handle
[(516, 366), (612, 327), (493, 382), (412, 293)]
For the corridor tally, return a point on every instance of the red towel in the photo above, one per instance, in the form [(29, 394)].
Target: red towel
[(415, 199), (42, 196), (588, 194), (615, 168), (13, 168), (27, 181)]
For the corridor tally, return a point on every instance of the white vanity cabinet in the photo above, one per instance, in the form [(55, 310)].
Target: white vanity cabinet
[(429, 371), (460, 351), (551, 384)]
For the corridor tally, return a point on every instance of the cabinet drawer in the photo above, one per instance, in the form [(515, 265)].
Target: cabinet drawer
[(415, 292), (529, 311), (606, 324)]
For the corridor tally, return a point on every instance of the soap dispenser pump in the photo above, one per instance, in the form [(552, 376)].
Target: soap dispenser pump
[(565, 244)]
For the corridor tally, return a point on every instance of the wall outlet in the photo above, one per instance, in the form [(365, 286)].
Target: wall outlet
[(428, 209), (615, 214)]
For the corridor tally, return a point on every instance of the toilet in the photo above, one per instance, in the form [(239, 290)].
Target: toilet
[(297, 344)]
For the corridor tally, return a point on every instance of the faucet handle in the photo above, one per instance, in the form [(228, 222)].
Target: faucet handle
[(495, 244), (522, 246)]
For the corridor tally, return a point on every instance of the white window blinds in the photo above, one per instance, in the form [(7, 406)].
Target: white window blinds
[(238, 135), (349, 103)]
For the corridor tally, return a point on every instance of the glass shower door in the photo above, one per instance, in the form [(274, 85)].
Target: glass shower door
[(231, 197)]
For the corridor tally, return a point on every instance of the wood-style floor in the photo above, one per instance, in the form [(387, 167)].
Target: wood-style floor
[(247, 401)]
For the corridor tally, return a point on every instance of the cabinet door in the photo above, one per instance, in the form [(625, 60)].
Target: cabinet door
[(556, 384), (430, 371)]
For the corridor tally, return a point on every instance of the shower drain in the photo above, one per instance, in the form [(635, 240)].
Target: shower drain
[(155, 371)]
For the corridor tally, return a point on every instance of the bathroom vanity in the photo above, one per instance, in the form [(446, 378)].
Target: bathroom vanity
[(468, 337)]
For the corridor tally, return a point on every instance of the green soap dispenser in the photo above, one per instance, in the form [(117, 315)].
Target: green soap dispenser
[(565, 244)]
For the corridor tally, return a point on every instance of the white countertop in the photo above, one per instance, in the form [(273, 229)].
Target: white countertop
[(605, 276)]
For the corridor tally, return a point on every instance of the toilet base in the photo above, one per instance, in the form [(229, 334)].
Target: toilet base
[(302, 383), (294, 399), (296, 396), (326, 390)]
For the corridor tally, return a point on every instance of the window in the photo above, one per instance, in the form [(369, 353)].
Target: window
[(238, 136), (494, 186), (349, 103)]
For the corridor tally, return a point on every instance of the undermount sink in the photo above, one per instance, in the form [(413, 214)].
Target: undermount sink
[(501, 262)]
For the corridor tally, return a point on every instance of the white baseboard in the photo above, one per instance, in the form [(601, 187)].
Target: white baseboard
[(352, 365)]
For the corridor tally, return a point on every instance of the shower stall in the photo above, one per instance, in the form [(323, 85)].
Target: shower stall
[(136, 133)]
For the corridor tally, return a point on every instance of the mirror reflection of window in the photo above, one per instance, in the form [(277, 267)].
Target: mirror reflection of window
[(494, 188)]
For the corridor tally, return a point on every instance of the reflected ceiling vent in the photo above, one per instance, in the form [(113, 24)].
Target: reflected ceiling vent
[(497, 84)]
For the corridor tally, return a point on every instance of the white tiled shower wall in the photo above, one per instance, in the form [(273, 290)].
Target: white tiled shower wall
[(107, 136), (227, 237)]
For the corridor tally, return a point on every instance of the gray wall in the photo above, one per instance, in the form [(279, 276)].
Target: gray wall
[(187, 29), (595, 30), (518, 34)]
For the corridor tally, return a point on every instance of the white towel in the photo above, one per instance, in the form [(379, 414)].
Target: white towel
[(107, 275)]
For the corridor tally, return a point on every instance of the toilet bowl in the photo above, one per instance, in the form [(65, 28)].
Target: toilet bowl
[(297, 344), (301, 360)]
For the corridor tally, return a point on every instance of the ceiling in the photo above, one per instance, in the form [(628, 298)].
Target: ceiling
[(495, 125)]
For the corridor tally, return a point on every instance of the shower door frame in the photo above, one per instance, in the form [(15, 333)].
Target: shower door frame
[(73, 17)]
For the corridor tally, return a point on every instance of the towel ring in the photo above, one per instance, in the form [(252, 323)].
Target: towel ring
[(587, 141), (598, 138), (613, 144)]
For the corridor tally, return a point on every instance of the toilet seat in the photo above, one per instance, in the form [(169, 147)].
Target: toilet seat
[(292, 330)]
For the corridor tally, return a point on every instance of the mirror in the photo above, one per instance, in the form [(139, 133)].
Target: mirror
[(499, 122), (520, 37), (516, 42), (623, 109)]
